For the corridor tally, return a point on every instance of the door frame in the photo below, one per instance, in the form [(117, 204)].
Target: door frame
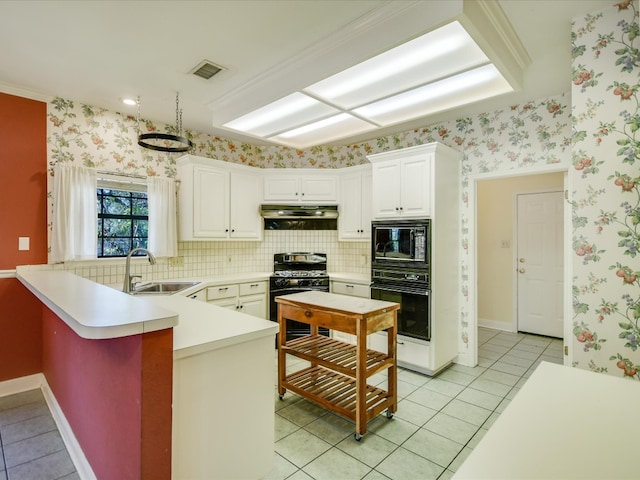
[(470, 356), (514, 320)]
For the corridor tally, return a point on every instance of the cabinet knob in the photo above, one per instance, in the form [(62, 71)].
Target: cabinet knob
[(521, 270), (233, 230), (226, 230)]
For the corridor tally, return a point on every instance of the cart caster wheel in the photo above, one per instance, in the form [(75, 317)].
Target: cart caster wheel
[(389, 414), (281, 397), (357, 437)]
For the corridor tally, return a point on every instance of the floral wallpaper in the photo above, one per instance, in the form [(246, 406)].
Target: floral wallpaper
[(601, 155), (606, 197)]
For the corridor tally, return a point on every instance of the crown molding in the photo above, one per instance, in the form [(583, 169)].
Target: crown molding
[(25, 92)]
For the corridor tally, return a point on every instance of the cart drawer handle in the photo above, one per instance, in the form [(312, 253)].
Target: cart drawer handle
[(308, 313)]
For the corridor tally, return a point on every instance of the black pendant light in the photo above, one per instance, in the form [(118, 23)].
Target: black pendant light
[(165, 142)]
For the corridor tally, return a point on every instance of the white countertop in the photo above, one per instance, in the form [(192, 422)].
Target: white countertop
[(203, 327), (92, 310), (565, 423), (96, 311)]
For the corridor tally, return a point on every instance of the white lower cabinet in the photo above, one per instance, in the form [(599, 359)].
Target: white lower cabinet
[(410, 353), (249, 298), (353, 290)]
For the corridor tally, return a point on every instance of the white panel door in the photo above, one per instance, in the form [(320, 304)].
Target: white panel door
[(540, 263)]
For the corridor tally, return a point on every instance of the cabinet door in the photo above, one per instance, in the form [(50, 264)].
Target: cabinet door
[(318, 188), (228, 303), (281, 188), (210, 202), (255, 305), (246, 196), (386, 190), (350, 219), (415, 187)]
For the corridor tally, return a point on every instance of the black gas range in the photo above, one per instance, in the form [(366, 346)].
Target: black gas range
[(296, 272)]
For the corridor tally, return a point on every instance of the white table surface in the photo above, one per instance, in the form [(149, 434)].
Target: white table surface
[(565, 423)]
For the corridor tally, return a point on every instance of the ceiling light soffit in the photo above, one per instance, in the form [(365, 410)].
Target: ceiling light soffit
[(437, 71)]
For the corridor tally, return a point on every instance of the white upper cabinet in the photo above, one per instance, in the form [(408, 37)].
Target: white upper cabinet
[(295, 187), (218, 200), (401, 186), (404, 181), (354, 220)]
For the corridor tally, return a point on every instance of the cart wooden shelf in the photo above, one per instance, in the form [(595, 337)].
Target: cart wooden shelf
[(337, 376)]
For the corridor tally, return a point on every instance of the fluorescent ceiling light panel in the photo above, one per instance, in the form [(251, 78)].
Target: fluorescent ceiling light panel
[(438, 71), (443, 52), (284, 114), (333, 128), (464, 88)]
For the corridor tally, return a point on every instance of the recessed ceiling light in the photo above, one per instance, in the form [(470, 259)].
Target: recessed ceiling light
[(129, 101)]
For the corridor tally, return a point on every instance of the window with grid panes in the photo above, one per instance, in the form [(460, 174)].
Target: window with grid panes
[(123, 219)]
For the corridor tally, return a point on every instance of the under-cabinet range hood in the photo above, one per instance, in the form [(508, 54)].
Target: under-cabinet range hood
[(299, 217)]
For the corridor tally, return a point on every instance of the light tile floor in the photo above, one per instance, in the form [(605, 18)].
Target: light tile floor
[(438, 422), (439, 419), (31, 447)]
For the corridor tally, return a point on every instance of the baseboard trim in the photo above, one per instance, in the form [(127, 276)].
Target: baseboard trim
[(68, 437), (495, 325), (22, 384), (38, 380)]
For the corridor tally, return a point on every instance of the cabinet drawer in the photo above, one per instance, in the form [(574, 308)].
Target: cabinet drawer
[(351, 289), (222, 291), (253, 287), (303, 315), (199, 295)]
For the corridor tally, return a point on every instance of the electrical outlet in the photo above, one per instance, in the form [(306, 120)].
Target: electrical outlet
[(176, 261)]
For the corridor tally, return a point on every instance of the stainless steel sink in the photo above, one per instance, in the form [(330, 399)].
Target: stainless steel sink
[(162, 288)]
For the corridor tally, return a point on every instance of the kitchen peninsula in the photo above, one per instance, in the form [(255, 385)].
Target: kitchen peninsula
[(116, 363)]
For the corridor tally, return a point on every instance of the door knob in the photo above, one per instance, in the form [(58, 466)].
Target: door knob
[(521, 270)]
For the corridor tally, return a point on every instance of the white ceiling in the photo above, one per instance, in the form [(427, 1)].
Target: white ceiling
[(98, 52)]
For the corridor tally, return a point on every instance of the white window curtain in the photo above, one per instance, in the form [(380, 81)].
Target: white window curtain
[(163, 234), (74, 222)]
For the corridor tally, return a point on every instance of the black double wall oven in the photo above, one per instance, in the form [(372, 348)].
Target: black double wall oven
[(400, 272)]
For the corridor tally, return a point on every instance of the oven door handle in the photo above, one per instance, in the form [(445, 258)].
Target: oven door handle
[(400, 290)]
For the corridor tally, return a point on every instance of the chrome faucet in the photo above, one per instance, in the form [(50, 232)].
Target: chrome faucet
[(128, 278)]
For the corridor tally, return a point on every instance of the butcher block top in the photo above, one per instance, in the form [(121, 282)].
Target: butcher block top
[(333, 302)]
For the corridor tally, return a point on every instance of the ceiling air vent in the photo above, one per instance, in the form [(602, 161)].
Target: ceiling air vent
[(206, 69)]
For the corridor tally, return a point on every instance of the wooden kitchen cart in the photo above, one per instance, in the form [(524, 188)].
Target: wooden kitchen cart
[(337, 376)]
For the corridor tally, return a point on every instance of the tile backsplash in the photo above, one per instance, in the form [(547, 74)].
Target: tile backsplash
[(214, 259)]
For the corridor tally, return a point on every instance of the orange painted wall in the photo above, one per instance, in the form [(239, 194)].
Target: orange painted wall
[(23, 180), (23, 213)]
